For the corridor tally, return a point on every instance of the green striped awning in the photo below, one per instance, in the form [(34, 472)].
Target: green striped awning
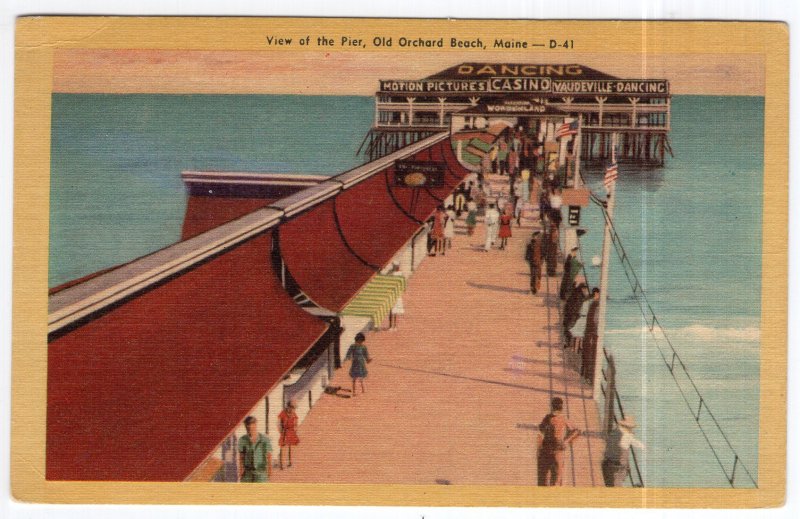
[(377, 298)]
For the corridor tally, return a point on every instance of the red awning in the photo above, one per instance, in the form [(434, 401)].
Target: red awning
[(422, 202), (148, 390), (372, 224), (319, 260), (334, 249)]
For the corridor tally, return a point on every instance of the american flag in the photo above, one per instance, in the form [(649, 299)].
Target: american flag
[(567, 129), (610, 177)]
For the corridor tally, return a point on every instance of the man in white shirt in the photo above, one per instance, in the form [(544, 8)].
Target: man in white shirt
[(555, 199), (616, 457), (492, 221)]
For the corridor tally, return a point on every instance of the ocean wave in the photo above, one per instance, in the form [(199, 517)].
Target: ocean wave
[(701, 332)]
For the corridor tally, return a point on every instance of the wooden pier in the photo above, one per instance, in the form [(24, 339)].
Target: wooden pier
[(455, 396)]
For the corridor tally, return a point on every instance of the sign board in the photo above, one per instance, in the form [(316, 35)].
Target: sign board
[(577, 197), (574, 216), (409, 173), (528, 85)]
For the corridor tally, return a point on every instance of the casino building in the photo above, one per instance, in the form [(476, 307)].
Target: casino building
[(407, 110)]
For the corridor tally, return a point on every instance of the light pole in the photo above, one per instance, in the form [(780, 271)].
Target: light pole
[(601, 311)]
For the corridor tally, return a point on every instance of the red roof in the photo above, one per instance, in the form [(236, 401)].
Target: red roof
[(148, 390), (203, 213)]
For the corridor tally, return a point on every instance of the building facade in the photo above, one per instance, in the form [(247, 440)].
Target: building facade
[(637, 109)]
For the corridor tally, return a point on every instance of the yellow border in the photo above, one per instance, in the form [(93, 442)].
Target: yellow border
[(38, 37)]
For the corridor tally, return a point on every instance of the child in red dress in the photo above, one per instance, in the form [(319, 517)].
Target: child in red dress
[(289, 437), (505, 229)]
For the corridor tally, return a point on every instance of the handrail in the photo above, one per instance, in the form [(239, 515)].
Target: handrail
[(639, 483)]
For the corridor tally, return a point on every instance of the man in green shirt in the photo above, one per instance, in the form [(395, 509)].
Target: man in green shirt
[(255, 455)]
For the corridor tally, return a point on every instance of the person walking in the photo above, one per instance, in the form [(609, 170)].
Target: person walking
[(502, 156), (573, 354), (398, 309), (555, 202), (501, 202), (552, 248), (449, 228), (430, 244), (460, 200), (360, 355), (474, 190), (494, 153), (516, 140), (616, 464), (572, 267), (502, 152), (572, 311), (472, 217), (590, 338), (533, 254), (480, 198), (469, 190), (492, 222), (555, 435), (518, 205), (255, 454), (288, 424), (505, 229), (525, 186), (486, 162), (437, 231), (513, 162)]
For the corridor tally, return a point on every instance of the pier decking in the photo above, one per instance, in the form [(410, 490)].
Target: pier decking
[(455, 395)]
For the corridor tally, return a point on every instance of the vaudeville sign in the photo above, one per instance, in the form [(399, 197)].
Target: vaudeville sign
[(410, 173)]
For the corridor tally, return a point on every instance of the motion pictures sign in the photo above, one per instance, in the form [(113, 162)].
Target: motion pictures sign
[(533, 85)]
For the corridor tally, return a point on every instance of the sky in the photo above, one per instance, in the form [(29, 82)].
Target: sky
[(357, 73)]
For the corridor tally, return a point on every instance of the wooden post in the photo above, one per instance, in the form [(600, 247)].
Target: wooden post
[(611, 393)]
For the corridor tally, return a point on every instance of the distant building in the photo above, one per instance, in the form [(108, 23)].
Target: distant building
[(638, 109)]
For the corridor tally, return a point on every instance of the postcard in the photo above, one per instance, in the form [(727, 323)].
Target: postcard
[(400, 262)]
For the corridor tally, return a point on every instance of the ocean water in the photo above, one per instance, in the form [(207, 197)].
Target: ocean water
[(116, 160), (692, 229)]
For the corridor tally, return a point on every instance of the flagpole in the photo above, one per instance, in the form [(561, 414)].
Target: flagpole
[(601, 311), (576, 149)]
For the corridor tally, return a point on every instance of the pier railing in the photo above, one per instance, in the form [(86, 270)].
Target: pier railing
[(615, 413), (736, 472)]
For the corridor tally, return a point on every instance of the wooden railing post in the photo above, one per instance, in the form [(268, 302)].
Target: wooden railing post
[(611, 392)]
